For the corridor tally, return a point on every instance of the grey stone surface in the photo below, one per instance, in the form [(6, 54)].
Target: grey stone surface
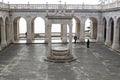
[(26, 62)]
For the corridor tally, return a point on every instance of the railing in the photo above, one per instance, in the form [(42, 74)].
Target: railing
[(53, 6), (58, 6)]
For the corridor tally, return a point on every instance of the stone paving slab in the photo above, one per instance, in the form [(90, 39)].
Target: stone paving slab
[(26, 62)]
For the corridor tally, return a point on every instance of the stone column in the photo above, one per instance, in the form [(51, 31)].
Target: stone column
[(82, 31), (49, 40), (9, 32), (115, 44), (70, 37), (77, 31), (61, 34), (29, 31), (100, 37), (91, 28), (32, 30), (3, 35), (64, 33), (108, 31), (12, 31), (46, 32)]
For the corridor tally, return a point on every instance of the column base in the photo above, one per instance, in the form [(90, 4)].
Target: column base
[(0, 48), (108, 43), (3, 44), (100, 41), (29, 41), (115, 46)]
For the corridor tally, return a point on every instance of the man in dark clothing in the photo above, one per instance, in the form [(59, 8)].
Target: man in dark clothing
[(26, 34), (75, 38), (88, 43)]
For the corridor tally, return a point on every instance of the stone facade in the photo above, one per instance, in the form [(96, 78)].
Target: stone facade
[(105, 22)]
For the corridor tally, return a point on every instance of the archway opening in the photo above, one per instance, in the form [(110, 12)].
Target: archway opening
[(75, 28), (112, 30), (105, 29), (91, 29), (56, 32), (20, 30), (38, 30)]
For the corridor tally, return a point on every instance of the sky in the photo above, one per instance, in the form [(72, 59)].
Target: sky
[(51, 1)]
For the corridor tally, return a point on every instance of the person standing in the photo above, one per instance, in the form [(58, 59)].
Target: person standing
[(88, 43), (75, 39), (26, 34)]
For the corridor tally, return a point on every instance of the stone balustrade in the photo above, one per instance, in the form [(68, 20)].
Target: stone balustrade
[(59, 6)]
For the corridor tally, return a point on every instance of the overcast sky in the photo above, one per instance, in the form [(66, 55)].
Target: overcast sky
[(50, 1)]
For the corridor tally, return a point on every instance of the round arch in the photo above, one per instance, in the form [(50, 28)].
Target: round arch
[(104, 23), (20, 29), (93, 25), (111, 28), (38, 28), (91, 28), (77, 26)]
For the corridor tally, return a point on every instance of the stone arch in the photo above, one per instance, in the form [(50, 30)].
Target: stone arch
[(16, 28), (77, 26), (93, 27), (104, 24), (7, 29), (35, 35), (111, 28)]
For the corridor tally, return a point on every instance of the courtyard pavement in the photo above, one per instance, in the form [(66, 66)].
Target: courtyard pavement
[(26, 62)]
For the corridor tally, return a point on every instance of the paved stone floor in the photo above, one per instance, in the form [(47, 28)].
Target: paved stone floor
[(26, 62)]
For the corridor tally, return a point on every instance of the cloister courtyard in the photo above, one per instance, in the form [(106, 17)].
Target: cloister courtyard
[(26, 62)]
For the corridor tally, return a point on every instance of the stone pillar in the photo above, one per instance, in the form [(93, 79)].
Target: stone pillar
[(29, 31), (70, 37), (64, 33), (108, 31), (46, 32), (82, 31), (77, 31), (9, 33), (3, 36), (100, 37), (17, 30), (49, 39), (115, 44), (61, 32), (91, 28), (12, 31), (32, 26)]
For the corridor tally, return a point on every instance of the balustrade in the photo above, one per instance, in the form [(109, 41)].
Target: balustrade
[(59, 6)]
